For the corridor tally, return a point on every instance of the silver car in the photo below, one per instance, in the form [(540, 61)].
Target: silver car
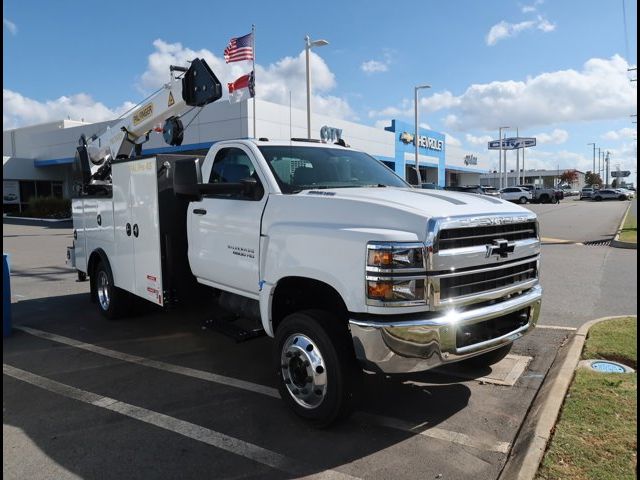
[(609, 194), (586, 192)]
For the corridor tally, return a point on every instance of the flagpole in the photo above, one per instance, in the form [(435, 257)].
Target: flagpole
[(253, 36)]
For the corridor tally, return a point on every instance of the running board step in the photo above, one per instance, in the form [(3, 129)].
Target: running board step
[(231, 330)]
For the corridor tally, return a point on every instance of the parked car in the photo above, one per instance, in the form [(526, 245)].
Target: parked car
[(491, 191), (542, 194), (629, 193), (516, 194), (609, 194), (586, 192), (466, 188), (570, 192)]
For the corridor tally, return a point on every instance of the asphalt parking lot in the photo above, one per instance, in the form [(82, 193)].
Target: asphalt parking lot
[(157, 396)]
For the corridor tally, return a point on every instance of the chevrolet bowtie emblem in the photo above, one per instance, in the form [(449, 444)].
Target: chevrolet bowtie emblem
[(500, 247)]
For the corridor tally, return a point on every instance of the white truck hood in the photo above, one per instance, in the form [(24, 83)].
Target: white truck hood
[(427, 203), (399, 210)]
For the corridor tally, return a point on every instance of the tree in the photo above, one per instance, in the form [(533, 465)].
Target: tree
[(592, 179), (614, 184), (569, 177)]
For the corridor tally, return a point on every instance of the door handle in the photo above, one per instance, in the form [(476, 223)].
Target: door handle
[(128, 229), (200, 211), (135, 230), (99, 219)]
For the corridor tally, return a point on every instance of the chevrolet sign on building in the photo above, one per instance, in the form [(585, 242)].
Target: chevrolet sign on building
[(423, 141)]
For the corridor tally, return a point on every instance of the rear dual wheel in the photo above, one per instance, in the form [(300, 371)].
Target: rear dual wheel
[(318, 375), (112, 301)]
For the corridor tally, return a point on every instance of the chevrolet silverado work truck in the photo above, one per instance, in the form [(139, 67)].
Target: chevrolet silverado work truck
[(326, 248)]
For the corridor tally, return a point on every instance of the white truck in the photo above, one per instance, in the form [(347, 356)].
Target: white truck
[(324, 247)]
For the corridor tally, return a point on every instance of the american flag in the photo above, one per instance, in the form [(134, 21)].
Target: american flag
[(240, 48)]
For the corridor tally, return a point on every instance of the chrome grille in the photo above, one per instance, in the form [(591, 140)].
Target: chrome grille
[(485, 234), (472, 282)]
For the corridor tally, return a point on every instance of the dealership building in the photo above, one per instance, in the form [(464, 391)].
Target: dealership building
[(38, 160), (544, 178)]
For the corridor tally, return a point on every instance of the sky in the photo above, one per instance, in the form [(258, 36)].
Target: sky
[(555, 69)]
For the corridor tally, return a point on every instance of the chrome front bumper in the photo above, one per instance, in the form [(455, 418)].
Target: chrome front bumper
[(402, 346)]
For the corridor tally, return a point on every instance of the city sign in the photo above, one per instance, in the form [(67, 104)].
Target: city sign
[(470, 160), (512, 143), (620, 173), (329, 134)]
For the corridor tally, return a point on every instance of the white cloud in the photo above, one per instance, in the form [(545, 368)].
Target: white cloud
[(528, 9), (11, 27), (481, 141), (556, 137), (601, 90), (18, 110), (273, 83), (451, 140), (373, 66), (623, 133), (504, 29), (381, 124)]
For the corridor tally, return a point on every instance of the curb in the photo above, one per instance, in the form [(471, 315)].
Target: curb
[(531, 441), (616, 243)]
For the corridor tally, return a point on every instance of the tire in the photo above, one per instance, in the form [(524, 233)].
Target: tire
[(112, 302), (82, 277), (487, 359), (318, 376), (545, 199), (523, 200), (598, 199)]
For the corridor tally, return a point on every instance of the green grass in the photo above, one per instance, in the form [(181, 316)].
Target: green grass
[(629, 231), (595, 437), (613, 340)]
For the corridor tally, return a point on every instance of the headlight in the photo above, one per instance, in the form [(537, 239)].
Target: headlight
[(395, 274), (393, 257)]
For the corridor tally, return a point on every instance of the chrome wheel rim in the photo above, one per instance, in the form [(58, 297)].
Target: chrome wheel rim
[(103, 290), (303, 371)]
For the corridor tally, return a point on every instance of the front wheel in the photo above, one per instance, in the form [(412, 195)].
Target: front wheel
[(318, 376), (523, 200), (598, 199)]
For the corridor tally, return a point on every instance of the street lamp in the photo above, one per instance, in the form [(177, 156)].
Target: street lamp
[(500, 166), (415, 138), (308, 45), (594, 156)]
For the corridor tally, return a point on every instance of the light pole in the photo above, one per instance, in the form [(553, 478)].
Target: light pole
[(308, 45), (594, 156), (415, 137), (599, 163), (500, 166)]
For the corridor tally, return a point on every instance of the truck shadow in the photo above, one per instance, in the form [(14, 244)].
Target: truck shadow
[(177, 337)]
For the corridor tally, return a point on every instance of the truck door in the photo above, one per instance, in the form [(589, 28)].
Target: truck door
[(145, 230), (224, 230), (137, 261)]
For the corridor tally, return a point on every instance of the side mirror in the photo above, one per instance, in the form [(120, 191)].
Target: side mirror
[(187, 177), (412, 176), (252, 188)]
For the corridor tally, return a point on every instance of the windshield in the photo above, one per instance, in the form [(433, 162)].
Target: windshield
[(299, 168)]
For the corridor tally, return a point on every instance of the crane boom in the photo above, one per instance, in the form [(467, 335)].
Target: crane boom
[(197, 87)]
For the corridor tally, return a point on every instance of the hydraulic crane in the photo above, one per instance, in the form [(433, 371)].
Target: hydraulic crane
[(195, 86)]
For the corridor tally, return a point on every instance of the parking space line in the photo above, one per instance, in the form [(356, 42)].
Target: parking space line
[(433, 432), (364, 418), (166, 422), (147, 362)]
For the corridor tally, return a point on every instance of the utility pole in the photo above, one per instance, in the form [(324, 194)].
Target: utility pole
[(599, 163), (607, 162), (518, 159), (594, 156), (500, 165)]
